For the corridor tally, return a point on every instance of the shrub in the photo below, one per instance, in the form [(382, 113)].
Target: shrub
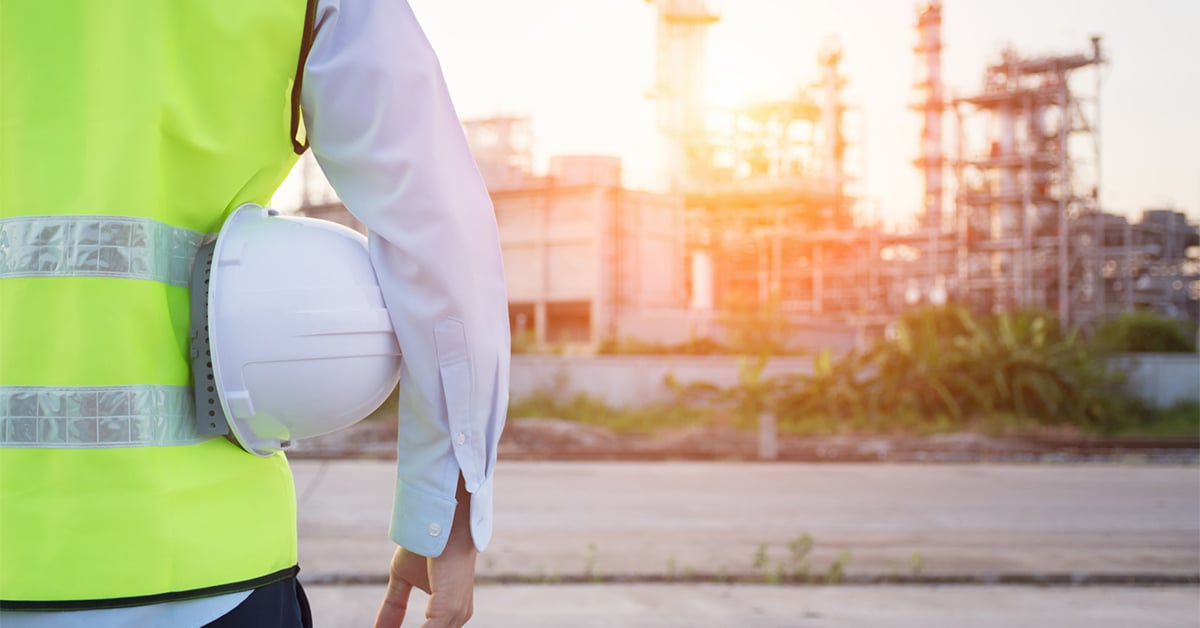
[(945, 364), (1144, 332)]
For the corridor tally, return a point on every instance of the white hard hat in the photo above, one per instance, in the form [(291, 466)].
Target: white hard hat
[(290, 334)]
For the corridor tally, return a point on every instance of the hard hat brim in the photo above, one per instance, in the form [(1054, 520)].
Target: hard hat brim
[(238, 428)]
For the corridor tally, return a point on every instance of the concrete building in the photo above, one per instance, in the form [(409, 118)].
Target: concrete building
[(587, 260)]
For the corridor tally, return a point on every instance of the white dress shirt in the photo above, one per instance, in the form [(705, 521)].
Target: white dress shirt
[(382, 126)]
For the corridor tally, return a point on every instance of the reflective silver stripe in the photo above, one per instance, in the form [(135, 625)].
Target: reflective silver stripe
[(95, 417), (96, 246)]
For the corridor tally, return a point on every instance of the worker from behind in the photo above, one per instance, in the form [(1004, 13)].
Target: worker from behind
[(128, 132)]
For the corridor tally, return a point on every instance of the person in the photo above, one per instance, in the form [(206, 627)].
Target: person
[(128, 131)]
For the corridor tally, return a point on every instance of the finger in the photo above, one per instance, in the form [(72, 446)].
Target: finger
[(395, 604), (411, 568)]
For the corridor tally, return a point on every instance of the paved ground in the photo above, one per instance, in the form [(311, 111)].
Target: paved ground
[(670, 606), (656, 518), (556, 520)]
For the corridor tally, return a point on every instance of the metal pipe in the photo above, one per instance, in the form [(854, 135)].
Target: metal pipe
[(1127, 282), (702, 281), (764, 290), (1064, 238), (777, 256), (1098, 59), (1096, 260), (1026, 255), (818, 292), (1006, 211), (831, 118), (961, 218)]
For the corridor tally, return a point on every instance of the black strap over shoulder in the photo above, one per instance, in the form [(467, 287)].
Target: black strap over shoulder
[(306, 43)]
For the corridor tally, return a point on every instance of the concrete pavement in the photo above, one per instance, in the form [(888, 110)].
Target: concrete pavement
[(559, 519), (556, 520), (675, 606)]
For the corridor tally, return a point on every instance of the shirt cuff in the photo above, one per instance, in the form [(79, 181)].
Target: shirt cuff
[(421, 520)]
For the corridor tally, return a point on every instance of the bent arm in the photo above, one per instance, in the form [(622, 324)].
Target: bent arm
[(382, 126)]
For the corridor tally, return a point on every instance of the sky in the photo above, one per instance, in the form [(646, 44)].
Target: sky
[(581, 69)]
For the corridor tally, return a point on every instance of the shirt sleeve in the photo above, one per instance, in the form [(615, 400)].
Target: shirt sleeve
[(381, 124)]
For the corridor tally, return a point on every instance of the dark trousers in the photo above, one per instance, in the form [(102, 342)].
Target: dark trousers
[(279, 605)]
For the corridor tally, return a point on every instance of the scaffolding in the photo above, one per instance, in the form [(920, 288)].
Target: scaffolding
[(771, 221), (770, 218), (1031, 227), (930, 278), (1018, 191)]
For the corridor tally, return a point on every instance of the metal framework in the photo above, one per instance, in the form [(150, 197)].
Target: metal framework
[(1011, 212), (771, 212), (1016, 195)]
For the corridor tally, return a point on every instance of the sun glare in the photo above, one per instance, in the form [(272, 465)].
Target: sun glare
[(726, 89)]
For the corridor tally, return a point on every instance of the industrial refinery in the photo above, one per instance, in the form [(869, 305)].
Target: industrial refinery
[(760, 217)]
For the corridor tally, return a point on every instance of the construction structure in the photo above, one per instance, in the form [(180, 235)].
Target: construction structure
[(760, 227), (1019, 189), (1030, 226), (771, 210), (770, 220)]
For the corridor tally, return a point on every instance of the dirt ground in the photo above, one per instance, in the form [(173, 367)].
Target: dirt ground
[(555, 439)]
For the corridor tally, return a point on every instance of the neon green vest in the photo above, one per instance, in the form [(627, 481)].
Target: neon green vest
[(128, 130)]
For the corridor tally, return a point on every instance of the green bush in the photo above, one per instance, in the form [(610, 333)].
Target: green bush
[(1144, 332), (1180, 420), (954, 369)]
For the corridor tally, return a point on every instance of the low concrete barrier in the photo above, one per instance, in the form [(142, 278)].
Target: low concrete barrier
[(631, 380), (1161, 379)]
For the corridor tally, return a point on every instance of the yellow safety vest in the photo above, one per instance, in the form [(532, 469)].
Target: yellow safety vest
[(128, 130)]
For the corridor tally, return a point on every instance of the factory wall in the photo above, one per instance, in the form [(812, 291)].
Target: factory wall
[(585, 262)]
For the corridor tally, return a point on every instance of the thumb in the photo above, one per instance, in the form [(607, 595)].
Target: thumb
[(395, 603)]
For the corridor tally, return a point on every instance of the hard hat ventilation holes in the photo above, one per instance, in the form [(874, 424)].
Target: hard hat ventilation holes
[(210, 418)]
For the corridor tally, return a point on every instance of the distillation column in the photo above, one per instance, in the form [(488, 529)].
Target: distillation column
[(929, 85), (833, 149), (931, 103), (679, 88)]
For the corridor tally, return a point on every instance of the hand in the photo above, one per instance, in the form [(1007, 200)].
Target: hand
[(449, 579)]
